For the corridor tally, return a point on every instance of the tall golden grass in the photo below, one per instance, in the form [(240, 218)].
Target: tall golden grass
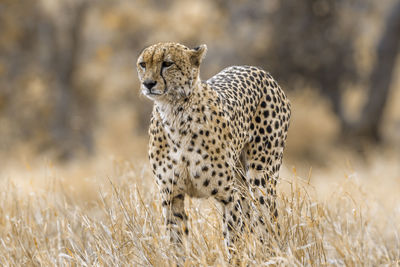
[(345, 221)]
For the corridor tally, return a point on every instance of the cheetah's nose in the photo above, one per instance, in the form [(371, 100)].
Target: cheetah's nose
[(149, 84)]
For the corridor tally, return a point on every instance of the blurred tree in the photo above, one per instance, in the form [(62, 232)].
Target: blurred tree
[(64, 39), (311, 44), (313, 47), (380, 80), (17, 43), (304, 43), (41, 100)]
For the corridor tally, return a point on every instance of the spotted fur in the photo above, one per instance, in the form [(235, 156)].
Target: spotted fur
[(222, 138)]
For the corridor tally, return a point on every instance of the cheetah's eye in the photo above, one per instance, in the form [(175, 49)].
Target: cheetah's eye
[(142, 64), (166, 64)]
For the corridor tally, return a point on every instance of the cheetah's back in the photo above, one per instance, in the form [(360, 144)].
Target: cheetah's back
[(252, 100)]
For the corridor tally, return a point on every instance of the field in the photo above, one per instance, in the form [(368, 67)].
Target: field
[(76, 187), (336, 208)]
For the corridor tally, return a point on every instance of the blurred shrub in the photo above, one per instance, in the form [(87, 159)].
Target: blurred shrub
[(67, 68)]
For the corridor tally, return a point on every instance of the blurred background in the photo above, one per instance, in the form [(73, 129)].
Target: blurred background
[(69, 93)]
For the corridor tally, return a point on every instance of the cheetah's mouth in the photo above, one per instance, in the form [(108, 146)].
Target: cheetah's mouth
[(152, 93)]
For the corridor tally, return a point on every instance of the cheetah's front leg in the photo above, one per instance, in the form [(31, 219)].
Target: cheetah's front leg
[(175, 217), (235, 209)]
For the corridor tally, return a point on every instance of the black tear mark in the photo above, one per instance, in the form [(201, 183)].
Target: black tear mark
[(161, 74)]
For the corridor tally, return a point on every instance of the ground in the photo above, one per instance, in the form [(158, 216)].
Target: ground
[(49, 216)]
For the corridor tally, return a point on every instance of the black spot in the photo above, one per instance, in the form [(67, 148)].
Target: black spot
[(214, 191), (206, 182), (258, 119), (178, 215), (170, 222), (269, 145), (225, 203), (230, 226)]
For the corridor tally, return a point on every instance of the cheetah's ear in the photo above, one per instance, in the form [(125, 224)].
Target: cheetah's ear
[(197, 54)]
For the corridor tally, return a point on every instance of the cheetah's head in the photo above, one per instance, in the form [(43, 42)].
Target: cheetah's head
[(169, 71)]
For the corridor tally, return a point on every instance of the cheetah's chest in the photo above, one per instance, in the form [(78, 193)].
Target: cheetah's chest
[(195, 150), (194, 163)]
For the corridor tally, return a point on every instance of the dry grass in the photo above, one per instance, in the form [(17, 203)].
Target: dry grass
[(346, 223), (106, 211)]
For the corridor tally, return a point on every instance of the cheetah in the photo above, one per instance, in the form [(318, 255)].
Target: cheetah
[(221, 138)]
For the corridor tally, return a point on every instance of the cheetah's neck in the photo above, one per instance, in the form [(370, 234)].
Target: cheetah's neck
[(173, 115), (180, 116)]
